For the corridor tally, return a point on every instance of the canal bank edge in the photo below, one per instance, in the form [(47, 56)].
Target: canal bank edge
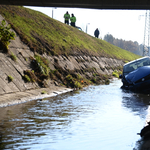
[(35, 94), (83, 65)]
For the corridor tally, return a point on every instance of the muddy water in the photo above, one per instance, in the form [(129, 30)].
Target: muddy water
[(96, 118)]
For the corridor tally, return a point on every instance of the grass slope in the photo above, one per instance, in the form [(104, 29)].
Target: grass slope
[(44, 34)]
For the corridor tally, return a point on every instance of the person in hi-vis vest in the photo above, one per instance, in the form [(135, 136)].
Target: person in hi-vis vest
[(67, 17), (73, 20)]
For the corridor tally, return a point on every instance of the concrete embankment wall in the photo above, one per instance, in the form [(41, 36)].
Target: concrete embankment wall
[(16, 68)]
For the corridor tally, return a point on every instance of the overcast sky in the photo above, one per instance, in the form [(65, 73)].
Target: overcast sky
[(122, 24)]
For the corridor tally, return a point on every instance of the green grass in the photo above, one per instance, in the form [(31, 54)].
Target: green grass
[(43, 92), (42, 64), (44, 34), (77, 85), (116, 73), (27, 78), (10, 78), (13, 56)]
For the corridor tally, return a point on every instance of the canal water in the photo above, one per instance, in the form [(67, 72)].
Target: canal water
[(100, 117)]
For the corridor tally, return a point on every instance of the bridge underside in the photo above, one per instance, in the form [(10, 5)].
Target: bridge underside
[(97, 4)]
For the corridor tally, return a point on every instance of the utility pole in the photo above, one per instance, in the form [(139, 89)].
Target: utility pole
[(87, 27), (146, 46), (53, 11)]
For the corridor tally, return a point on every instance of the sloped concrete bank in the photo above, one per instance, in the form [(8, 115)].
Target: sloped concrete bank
[(14, 91)]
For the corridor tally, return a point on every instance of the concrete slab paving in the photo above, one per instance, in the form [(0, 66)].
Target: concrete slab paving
[(28, 95)]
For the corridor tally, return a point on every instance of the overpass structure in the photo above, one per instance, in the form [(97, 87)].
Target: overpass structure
[(96, 4)]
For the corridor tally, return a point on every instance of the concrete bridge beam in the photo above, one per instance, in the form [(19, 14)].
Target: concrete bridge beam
[(100, 4)]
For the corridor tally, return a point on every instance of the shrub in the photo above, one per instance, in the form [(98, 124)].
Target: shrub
[(107, 81), (43, 92), (69, 77), (42, 65), (116, 73), (79, 76), (5, 35), (10, 78), (93, 80), (13, 57), (30, 76), (94, 74), (27, 78), (77, 85)]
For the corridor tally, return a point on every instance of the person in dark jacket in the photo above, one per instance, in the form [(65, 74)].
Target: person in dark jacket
[(96, 33)]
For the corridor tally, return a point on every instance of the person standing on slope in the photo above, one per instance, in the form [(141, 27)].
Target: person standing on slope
[(96, 33), (67, 17), (73, 20)]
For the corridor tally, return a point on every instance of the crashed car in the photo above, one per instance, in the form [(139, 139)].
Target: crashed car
[(136, 75)]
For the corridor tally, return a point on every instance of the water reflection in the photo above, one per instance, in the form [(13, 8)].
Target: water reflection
[(12, 118), (98, 117), (137, 103), (144, 144), (25, 122)]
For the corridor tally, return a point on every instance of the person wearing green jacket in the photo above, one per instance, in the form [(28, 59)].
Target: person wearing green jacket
[(73, 20), (67, 17)]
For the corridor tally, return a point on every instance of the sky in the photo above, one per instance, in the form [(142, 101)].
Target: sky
[(122, 24)]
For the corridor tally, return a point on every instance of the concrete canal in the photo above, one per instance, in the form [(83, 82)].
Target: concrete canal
[(96, 118)]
